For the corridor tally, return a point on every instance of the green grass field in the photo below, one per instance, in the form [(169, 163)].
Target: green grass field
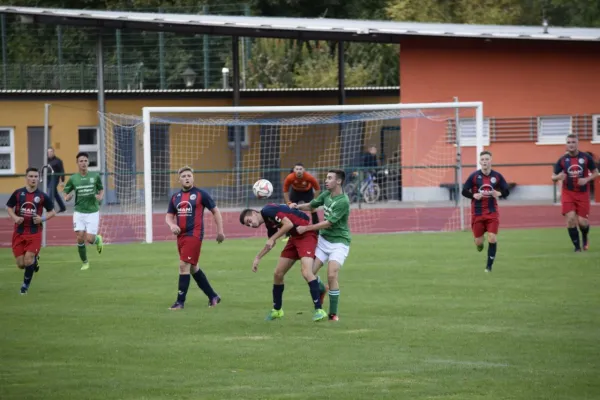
[(420, 319)]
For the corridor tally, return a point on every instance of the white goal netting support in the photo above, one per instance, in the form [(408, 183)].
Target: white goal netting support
[(403, 162)]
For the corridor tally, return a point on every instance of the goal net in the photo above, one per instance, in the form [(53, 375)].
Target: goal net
[(401, 162)]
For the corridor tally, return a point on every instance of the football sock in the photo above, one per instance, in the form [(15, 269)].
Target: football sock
[(82, 252), (334, 298), (321, 284), (584, 233), (574, 234), (203, 284), (315, 293), (277, 296), (184, 284), (28, 275), (491, 254)]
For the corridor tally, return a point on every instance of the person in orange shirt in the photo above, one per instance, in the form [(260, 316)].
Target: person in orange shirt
[(304, 188)]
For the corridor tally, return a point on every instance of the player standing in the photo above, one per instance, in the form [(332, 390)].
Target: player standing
[(576, 170), (484, 187), (279, 220), (334, 233), (304, 188), (185, 217), (25, 208), (88, 190)]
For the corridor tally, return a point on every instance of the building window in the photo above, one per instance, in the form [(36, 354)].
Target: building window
[(553, 130), (596, 129), (89, 142), (7, 151), (468, 133), (231, 136)]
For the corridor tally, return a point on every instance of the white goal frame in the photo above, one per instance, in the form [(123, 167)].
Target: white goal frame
[(149, 111)]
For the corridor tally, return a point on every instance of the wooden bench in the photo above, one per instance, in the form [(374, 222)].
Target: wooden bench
[(452, 189)]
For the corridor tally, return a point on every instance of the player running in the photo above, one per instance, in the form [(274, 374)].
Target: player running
[(334, 234), (484, 187), (185, 217), (576, 170), (279, 220), (304, 188), (88, 190), (25, 207)]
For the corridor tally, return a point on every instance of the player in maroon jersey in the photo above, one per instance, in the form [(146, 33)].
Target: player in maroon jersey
[(484, 187), (26, 206), (185, 219), (576, 170), (279, 220)]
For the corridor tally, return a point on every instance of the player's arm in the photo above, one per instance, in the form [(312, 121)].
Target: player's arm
[(313, 205), (504, 189), (286, 226), (286, 188), (170, 218), (558, 174), (467, 190), (68, 190), (10, 209), (594, 172), (208, 202), (99, 189)]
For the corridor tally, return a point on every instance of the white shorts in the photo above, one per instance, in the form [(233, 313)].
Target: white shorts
[(86, 222), (331, 251)]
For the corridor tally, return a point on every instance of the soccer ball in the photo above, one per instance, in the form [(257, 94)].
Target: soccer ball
[(262, 189)]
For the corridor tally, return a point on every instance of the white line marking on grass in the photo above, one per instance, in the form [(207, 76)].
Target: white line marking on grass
[(252, 338), (354, 331)]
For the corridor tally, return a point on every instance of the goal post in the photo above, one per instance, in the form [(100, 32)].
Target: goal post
[(421, 138)]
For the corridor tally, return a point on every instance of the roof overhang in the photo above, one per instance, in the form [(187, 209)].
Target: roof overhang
[(293, 28)]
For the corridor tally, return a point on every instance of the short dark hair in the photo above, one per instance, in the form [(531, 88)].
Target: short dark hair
[(82, 154), (299, 164), (184, 169), (571, 136), (32, 169), (339, 174), (485, 153), (245, 212)]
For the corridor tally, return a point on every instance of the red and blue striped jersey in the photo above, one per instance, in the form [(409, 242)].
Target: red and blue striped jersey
[(575, 167), (27, 204), (478, 182), (188, 207), (273, 215)]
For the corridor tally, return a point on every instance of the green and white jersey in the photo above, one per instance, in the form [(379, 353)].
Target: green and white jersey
[(86, 188), (337, 211)]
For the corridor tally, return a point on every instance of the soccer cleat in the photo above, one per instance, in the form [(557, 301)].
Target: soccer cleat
[(480, 247), (577, 250), (99, 244), (333, 317), (285, 239), (214, 301), (86, 265), (586, 247), (488, 269), (24, 289), (176, 306), (319, 315), (274, 314)]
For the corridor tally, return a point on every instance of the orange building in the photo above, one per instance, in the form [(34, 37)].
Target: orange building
[(534, 93)]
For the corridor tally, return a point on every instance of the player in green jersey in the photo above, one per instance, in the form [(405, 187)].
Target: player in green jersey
[(88, 190), (334, 233)]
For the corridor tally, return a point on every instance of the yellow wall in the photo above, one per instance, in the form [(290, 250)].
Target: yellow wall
[(202, 147)]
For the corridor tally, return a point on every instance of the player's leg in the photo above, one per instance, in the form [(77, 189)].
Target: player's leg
[(92, 222), (304, 248), (283, 266), (18, 249), (583, 212), (29, 263), (492, 226), (478, 228), (571, 219), (79, 228), (321, 257), (201, 279), (188, 256), (337, 257)]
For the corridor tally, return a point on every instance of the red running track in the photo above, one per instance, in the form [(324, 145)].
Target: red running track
[(128, 228)]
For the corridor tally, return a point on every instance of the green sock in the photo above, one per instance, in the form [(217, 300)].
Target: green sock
[(334, 298), (82, 252), (321, 284)]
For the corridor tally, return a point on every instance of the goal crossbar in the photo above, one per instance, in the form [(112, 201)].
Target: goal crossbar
[(147, 114)]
